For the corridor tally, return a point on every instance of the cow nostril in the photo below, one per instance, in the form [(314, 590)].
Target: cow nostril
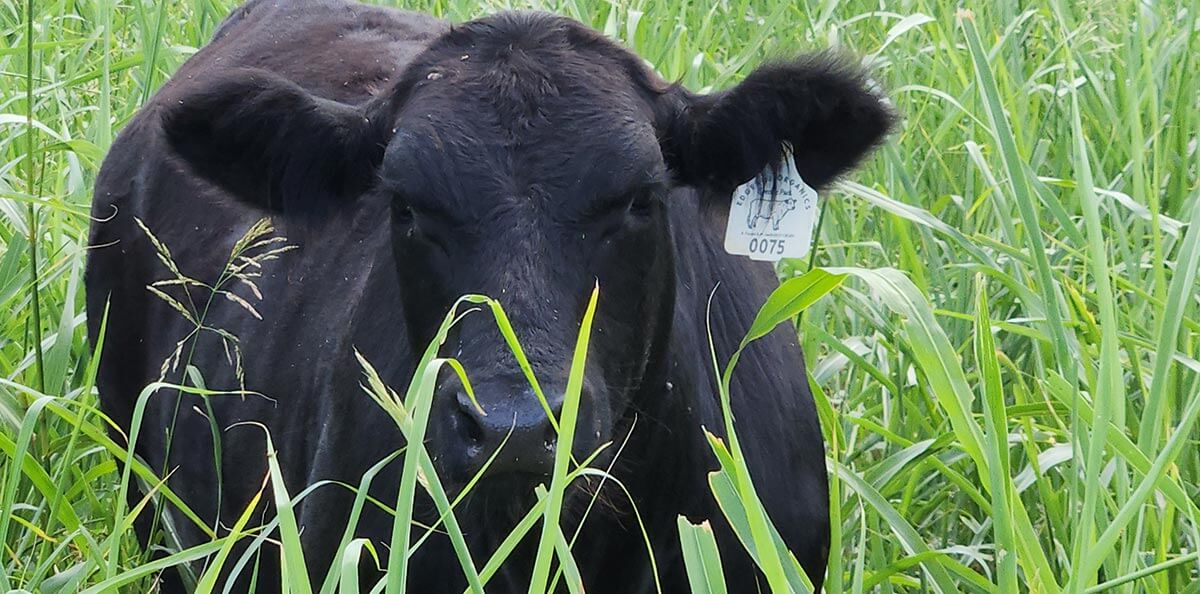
[(471, 426), (550, 439)]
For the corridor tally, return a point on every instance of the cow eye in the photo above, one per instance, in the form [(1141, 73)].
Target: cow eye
[(642, 204)]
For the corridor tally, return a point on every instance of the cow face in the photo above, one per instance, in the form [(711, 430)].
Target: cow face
[(529, 169), (527, 158)]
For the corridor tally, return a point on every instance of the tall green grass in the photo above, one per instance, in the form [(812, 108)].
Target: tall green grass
[(1006, 374)]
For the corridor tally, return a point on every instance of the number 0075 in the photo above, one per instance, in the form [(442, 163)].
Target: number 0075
[(772, 247)]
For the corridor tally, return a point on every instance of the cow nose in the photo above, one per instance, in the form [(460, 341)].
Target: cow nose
[(515, 435)]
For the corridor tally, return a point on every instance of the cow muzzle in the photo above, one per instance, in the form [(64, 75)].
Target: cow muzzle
[(509, 433)]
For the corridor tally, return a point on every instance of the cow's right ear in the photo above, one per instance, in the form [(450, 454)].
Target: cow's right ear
[(273, 144), (822, 104)]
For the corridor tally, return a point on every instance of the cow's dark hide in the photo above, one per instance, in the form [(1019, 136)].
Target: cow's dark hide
[(522, 156)]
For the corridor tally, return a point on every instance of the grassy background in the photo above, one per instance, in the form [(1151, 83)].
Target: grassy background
[(1008, 375)]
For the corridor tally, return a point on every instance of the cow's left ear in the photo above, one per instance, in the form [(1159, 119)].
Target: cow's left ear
[(821, 104), (274, 145)]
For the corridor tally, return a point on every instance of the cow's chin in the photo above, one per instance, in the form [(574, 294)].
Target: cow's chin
[(495, 504), (508, 496)]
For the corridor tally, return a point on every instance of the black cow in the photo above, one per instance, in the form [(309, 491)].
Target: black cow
[(522, 156)]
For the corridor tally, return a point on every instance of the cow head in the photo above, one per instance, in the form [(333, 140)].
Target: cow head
[(527, 157)]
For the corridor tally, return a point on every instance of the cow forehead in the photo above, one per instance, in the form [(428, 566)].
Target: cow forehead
[(519, 90), (455, 161), (523, 104), (525, 67)]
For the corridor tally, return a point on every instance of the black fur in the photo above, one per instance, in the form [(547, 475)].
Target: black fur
[(523, 156)]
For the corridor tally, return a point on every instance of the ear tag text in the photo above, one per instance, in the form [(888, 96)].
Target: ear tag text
[(772, 216)]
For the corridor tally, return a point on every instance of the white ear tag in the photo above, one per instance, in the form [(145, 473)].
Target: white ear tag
[(772, 215)]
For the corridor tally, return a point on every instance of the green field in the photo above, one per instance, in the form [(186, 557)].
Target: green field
[(1008, 373)]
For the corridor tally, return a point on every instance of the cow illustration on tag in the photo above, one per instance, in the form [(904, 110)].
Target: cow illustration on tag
[(769, 209)]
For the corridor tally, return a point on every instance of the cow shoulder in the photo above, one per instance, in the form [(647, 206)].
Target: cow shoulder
[(338, 50)]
